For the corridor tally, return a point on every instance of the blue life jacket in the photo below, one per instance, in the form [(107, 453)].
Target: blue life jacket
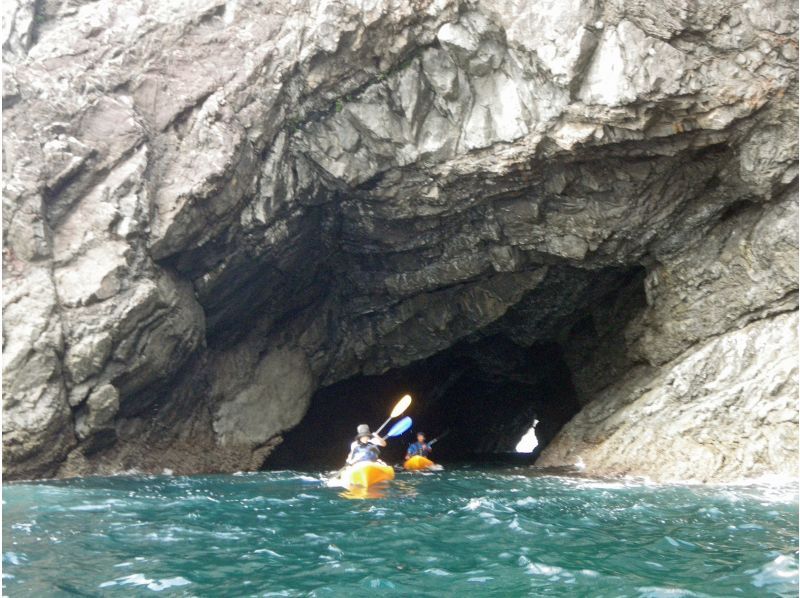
[(365, 452), (418, 448)]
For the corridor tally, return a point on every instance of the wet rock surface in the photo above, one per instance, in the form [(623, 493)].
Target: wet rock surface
[(213, 210)]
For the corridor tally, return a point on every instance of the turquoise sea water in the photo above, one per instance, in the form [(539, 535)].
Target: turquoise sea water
[(468, 532)]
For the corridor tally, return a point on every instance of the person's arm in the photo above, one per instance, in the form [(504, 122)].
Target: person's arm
[(349, 459), (377, 440)]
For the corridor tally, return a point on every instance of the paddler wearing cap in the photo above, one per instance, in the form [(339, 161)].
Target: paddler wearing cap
[(365, 446)]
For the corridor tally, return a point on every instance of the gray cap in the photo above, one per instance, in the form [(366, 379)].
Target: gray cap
[(363, 430)]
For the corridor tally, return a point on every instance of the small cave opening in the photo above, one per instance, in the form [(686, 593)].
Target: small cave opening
[(528, 443), (483, 394)]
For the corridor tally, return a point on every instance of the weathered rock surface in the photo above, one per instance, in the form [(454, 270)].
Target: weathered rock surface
[(213, 209), (725, 408)]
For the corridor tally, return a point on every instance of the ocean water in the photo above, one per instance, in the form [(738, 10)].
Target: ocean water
[(464, 531)]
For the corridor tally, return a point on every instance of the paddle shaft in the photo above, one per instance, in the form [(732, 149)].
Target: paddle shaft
[(438, 438), (383, 425)]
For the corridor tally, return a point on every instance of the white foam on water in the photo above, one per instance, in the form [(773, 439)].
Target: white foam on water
[(489, 518), (589, 484), (155, 585), (23, 527), (271, 553), (438, 572), (306, 478), (380, 584), (778, 571), (505, 555), (100, 507), (225, 535), (514, 525), (167, 537), (136, 579), (474, 504), (527, 501), (488, 504), (711, 512), (658, 592), (769, 488), (13, 558), (171, 582), (546, 570), (773, 480), (678, 543)]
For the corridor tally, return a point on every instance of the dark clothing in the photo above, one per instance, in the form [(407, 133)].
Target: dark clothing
[(418, 448), (363, 451)]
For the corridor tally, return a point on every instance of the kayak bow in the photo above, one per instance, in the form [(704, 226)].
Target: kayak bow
[(418, 462), (366, 473)]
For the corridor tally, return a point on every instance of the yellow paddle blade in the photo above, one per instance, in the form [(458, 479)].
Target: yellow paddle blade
[(401, 406)]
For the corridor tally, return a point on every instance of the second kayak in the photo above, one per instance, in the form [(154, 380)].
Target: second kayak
[(366, 474), (418, 462)]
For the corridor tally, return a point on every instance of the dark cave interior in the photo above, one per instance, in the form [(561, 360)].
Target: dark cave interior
[(486, 390), (486, 393)]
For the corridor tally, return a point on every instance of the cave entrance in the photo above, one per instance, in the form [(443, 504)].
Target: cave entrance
[(489, 388), (486, 392)]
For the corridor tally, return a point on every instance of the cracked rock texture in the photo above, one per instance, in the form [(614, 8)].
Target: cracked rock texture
[(213, 209)]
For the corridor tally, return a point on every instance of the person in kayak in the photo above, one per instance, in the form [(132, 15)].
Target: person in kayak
[(420, 447), (365, 446)]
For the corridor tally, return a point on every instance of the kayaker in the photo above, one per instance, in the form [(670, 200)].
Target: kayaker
[(365, 446), (420, 447)]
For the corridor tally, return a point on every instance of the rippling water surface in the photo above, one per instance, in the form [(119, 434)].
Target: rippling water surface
[(504, 532)]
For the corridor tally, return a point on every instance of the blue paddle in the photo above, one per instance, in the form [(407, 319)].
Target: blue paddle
[(401, 426)]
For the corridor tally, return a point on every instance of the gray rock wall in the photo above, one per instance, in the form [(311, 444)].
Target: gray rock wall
[(709, 389), (211, 209), (726, 410)]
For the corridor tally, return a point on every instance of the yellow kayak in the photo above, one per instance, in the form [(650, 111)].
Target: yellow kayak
[(418, 462), (367, 473)]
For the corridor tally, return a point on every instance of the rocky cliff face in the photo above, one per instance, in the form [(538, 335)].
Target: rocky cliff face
[(214, 209)]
